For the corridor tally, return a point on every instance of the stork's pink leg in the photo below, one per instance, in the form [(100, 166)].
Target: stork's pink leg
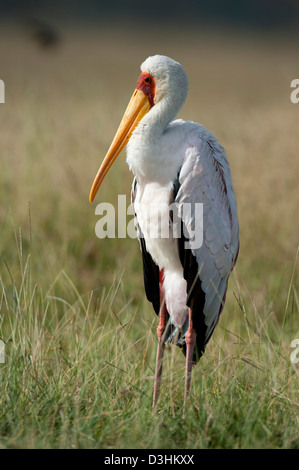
[(160, 353), (161, 345), (190, 342)]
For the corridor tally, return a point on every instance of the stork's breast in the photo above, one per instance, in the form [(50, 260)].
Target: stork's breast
[(152, 210)]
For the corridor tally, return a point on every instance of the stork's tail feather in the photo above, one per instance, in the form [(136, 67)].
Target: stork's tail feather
[(175, 334)]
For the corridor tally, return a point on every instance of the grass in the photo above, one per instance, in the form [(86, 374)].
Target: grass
[(79, 335)]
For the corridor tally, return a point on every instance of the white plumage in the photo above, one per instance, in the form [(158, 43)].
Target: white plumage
[(181, 163), (156, 151)]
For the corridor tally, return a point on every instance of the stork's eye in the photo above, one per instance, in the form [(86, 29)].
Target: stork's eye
[(147, 80)]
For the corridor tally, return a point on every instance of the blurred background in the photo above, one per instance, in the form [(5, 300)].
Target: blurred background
[(254, 14), (69, 68)]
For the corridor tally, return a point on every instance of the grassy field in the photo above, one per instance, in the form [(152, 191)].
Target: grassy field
[(79, 335)]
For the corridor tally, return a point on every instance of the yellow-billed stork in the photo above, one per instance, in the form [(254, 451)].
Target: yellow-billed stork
[(177, 164)]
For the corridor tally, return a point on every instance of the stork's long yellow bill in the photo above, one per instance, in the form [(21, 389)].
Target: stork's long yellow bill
[(138, 106)]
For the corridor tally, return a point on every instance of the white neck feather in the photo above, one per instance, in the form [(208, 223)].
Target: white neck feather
[(154, 151)]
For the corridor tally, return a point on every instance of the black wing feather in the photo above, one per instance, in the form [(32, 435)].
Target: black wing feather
[(150, 277), (195, 295)]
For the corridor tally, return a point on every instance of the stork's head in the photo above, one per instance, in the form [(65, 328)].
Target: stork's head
[(162, 80), (169, 79)]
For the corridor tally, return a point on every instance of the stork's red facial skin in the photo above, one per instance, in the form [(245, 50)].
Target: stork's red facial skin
[(146, 83)]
